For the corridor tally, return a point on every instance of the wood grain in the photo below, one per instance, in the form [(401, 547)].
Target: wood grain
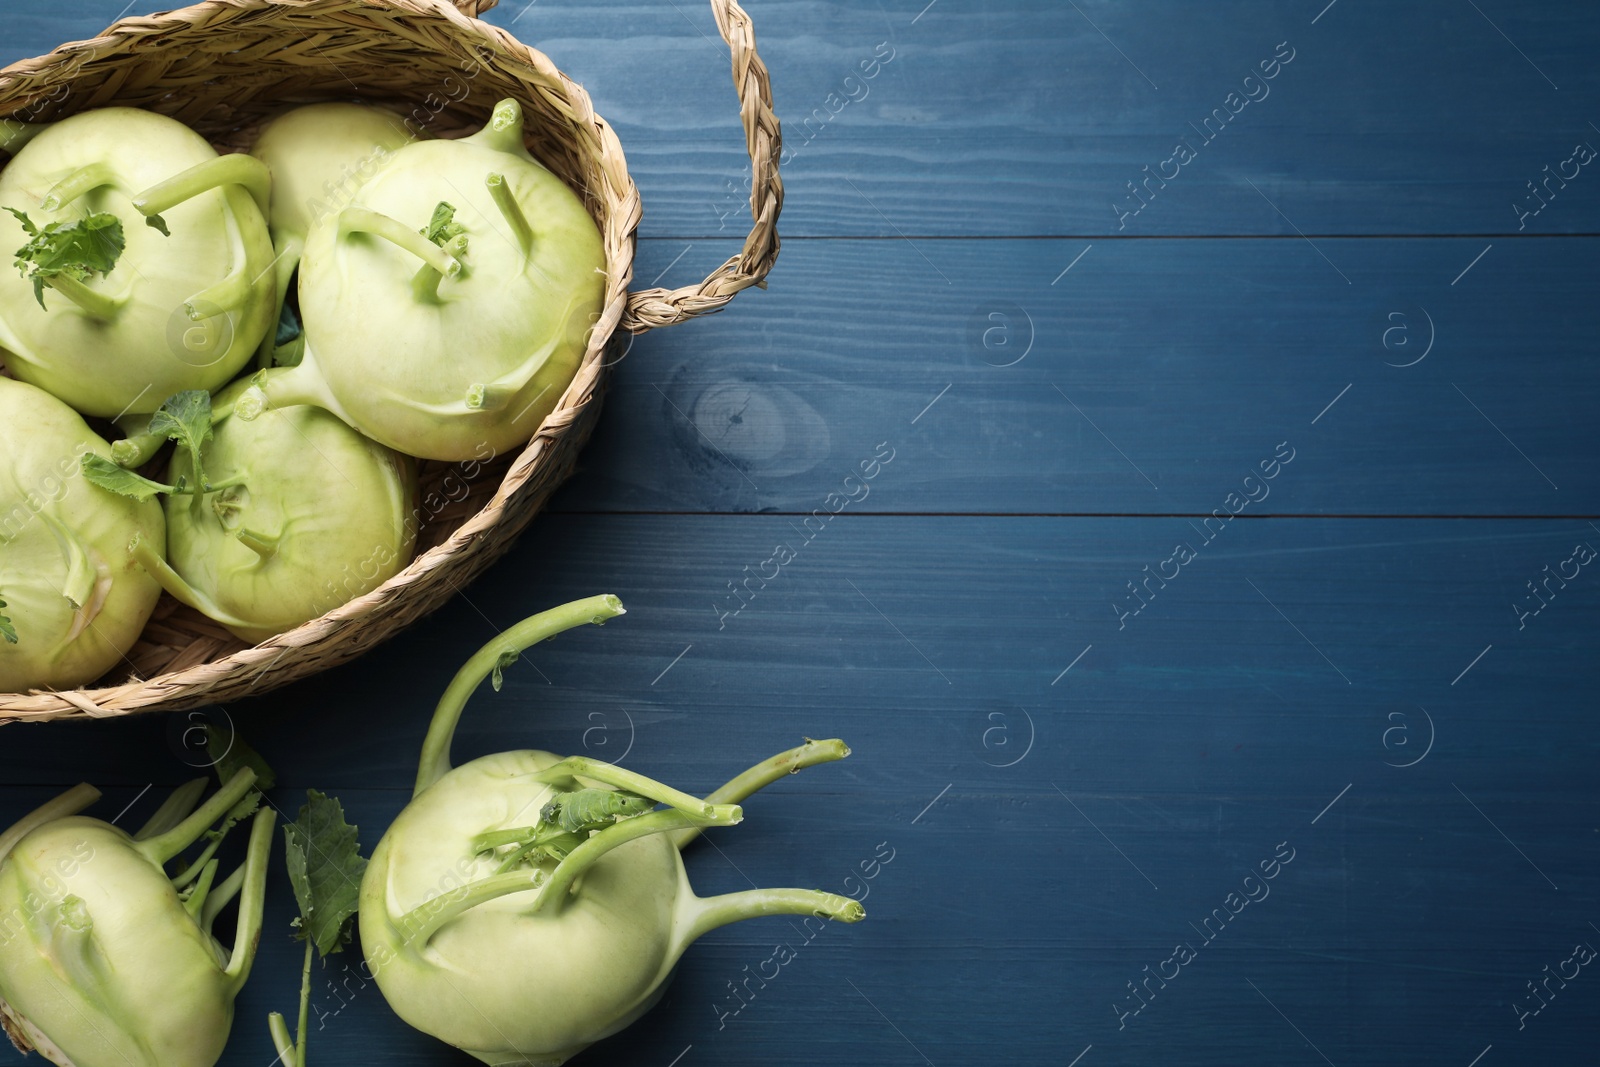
[(1150, 378)]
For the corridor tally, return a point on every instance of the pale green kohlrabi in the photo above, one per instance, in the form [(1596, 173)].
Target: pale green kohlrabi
[(524, 906), (72, 598), (448, 306), (105, 959), (136, 312), (299, 513), (319, 155)]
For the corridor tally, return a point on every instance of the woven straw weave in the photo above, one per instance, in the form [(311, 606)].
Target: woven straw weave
[(225, 66)]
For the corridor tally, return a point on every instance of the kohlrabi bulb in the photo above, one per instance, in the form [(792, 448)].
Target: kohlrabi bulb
[(524, 906), (319, 155), (72, 597), (447, 307), (306, 514), (108, 313), (105, 960)]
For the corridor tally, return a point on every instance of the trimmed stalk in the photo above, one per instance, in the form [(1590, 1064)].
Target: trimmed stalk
[(95, 304), (504, 131), (263, 545), (199, 864), (233, 169), (425, 283), (610, 774), (221, 896), (197, 896), (419, 924), (76, 184), (71, 802), (583, 857), (364, 220), (227, 295), (173, 810), (298, 385), (293, 1052), (511, 211), (181, 591), (287, 1054), (435, 763), (522, 835), (253, 899), (493, 396), (163, 847), (135, 451), (713, 912), (766, 772)]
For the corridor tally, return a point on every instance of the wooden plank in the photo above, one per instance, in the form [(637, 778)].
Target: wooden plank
[(894, 631), (1176, 752), (1033, 119), (1150, 377)]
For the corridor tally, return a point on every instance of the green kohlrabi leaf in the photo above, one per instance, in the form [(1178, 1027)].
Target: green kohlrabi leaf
[(498, 678), (288, 326), (443, 227), (228, 753), (325, 868), (75, 250), (7, 631), (185, 418), (107, 475)]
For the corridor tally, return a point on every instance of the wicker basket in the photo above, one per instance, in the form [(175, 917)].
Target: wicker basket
[(224, 66)]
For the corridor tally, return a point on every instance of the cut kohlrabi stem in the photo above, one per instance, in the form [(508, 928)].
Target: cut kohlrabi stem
[(510, 211), (164, 846), (570, 769), (195, 868), (97, 305), (491, 659), (236, 168), (195, 895), (77, 184), (140, 445), (363, 220), (252, 900), (221, 896), (176, 808), (765, 773)]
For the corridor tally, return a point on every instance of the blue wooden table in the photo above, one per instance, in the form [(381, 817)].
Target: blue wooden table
[(1227, 373)]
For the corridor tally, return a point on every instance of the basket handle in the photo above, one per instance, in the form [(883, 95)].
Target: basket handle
[(650, 308)]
